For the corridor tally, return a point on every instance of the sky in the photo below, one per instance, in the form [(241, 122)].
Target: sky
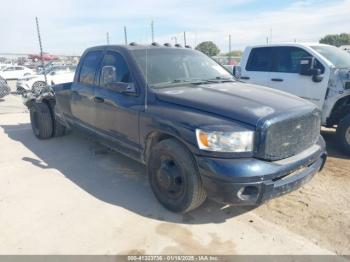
[(70, 26)]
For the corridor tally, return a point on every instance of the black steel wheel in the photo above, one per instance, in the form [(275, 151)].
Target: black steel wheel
[(174, 177)]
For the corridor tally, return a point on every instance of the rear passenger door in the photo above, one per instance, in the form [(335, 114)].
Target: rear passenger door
[(257, 67), (83, 90)]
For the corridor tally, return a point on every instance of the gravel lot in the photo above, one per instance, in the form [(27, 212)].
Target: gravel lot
[(70, 195)]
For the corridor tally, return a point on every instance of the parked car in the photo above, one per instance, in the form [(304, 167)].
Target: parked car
[(3, 66), (199, 132), (316, 72), (4, 88), (15, 72), (55, 75)]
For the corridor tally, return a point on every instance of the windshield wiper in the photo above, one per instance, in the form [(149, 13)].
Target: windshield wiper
[(170, 83), (193, 81), (221, 79)]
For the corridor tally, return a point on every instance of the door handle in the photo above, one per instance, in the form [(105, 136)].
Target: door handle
[(245, 77), (277, 79), (98, 99), (75, 92)]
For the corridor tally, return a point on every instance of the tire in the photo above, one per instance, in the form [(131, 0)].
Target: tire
[(343, 134), (174, 177), (41, 120)]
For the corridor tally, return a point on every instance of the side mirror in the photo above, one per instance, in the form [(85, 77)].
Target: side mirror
[(307, 69), (109, 80), (316, 75), (108, 75), (306, 65)]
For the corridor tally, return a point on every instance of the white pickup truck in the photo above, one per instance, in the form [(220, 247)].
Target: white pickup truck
[(316, 72)]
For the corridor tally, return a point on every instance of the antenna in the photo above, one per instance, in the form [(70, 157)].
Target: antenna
[(107, 38), (41, 48)]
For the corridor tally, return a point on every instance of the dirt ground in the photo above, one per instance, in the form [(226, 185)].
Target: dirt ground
[(312, 220), (321, 209)]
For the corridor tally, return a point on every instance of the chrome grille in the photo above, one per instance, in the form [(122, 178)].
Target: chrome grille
[(288, 137)]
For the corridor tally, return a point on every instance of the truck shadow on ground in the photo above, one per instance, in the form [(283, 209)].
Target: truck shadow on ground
[(109, 176)]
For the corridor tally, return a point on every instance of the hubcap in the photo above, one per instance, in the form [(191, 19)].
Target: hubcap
[(169, 178)]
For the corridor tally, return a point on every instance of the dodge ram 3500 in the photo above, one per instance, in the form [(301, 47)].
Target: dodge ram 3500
[(200, 132)]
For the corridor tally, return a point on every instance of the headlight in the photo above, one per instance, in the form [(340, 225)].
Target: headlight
[(225, 141)]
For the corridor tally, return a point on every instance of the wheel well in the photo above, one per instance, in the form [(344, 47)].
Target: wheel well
[(154, 138), (340, 109)]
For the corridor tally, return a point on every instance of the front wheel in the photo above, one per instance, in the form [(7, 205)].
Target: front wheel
[(174, 177), (343, 134)]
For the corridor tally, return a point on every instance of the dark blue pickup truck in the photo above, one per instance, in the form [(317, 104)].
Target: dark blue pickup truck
[(200, 132)]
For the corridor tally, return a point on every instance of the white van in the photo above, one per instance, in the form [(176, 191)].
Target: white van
[(316, 72)]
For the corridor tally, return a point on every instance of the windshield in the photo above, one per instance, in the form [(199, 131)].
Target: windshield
[(336, 56), (166, 66)]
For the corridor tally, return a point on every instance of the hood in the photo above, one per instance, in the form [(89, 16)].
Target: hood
[(235, 100)]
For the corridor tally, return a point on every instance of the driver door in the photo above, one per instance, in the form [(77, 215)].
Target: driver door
[(117, 110), (285, 75)]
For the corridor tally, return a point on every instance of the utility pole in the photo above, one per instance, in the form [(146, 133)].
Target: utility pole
[(41, 48), (107, 38), (125, 36), (152, 30), (185, 42), (229, 44), (270, 35)]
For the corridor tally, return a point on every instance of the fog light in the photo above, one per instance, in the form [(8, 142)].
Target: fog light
[(248, 193)]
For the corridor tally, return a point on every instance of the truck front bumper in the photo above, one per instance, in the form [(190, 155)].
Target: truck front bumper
[(251, 181)]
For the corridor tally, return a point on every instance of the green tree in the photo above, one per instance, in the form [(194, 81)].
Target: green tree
[(208, 48), (336, 40)]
